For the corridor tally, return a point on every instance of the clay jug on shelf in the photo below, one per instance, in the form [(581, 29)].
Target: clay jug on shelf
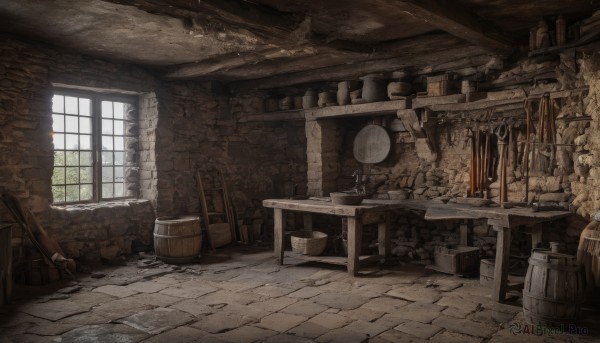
[(373, 89)]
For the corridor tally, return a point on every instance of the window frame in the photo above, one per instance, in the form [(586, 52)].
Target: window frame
[(96, 99)]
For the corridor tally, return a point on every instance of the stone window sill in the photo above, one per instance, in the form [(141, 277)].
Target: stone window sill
[(100, 205)]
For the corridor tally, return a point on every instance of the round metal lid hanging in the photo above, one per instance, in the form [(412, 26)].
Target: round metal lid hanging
[(372, 144)]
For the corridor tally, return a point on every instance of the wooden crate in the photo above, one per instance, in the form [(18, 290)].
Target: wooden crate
[(457, 260), (438, 85)]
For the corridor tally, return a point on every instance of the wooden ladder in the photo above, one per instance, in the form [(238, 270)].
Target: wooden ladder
[(219, 233)]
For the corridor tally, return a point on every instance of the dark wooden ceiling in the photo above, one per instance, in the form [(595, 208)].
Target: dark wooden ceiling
[(265, 43)]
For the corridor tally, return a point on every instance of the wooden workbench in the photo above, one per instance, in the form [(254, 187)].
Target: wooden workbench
[(357, 216), (379, 211), (503, 221)]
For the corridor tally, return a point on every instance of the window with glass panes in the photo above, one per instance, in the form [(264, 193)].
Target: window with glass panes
[(89, 128)]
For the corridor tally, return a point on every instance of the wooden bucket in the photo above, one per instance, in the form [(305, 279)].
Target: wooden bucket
[(177, 239), (554, 288)]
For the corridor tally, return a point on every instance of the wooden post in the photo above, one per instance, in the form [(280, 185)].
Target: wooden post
[(308, 226), (466, 227), (383, 237), (279, 234), (354, 244), (536, 236), (501, 267)]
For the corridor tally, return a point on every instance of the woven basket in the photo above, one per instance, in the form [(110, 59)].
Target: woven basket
[(308, 242)]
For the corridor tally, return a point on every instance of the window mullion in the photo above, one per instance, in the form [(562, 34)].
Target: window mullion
[(97, 149)]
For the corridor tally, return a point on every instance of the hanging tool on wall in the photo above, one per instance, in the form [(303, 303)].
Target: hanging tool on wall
[(527, 147), (502, 133), (483, 160), (547, 130)]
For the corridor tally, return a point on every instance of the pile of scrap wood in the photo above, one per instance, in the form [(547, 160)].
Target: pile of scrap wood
[(47, 247)]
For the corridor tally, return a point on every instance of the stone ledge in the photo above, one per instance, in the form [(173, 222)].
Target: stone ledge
[(122, 203)]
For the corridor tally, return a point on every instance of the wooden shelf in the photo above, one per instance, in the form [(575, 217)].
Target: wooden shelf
[(277, 116), (447, 103), (337, 260), (438, 100), (358, 110)]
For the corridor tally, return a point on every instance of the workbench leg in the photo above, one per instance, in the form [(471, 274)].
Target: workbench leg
[(501, 267), (354, 244), (308, 224), (536, 236), (383, 237), (279, 234), (466, 230)]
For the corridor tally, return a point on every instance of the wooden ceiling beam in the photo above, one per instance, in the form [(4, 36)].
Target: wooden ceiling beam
[(459, 22), (411, 49), (354, 70)]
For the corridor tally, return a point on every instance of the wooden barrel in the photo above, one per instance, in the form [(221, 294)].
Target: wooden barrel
[(177, 239), (554, 288)]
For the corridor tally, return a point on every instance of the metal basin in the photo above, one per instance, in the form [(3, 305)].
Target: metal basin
[(342, 198)]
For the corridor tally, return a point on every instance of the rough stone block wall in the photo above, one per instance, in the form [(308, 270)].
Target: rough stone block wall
[(322, 156), (201, 130), (28, 73)]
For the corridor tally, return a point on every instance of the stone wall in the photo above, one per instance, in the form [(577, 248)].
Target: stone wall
[(184, 127), (572, 180), (28, 73), (203, 130)]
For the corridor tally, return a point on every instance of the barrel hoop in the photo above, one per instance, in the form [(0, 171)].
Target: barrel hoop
[(579, 300), (554, 266), (177, 237)]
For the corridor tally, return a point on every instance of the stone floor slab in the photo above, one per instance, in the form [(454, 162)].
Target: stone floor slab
[(416, 292), (453, 337), (371, 290), (155, 299), (287, 338), (305, 308), (309, 330), (367, 328), (418, 329), (116, 291), (306, 292), (103, 333), (330, 320), (390, 320), (280, 322), (362, 313), (394, 336), (157, 320), (343, 336), (195, 307), (492, 317), (273, 305), (147, 286), (191, 292), (54, 310), (464, 326), (272, 291), (341, 300), (52, 329), (246, 334), (221, 321), (182, 334), (228, 297), (120, 308), (385, 304), (419, 313)]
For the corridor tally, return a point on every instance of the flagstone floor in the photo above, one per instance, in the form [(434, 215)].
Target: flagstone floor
[(241, 295)]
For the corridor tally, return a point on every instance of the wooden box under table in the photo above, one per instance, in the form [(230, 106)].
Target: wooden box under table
[(457, 260)]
